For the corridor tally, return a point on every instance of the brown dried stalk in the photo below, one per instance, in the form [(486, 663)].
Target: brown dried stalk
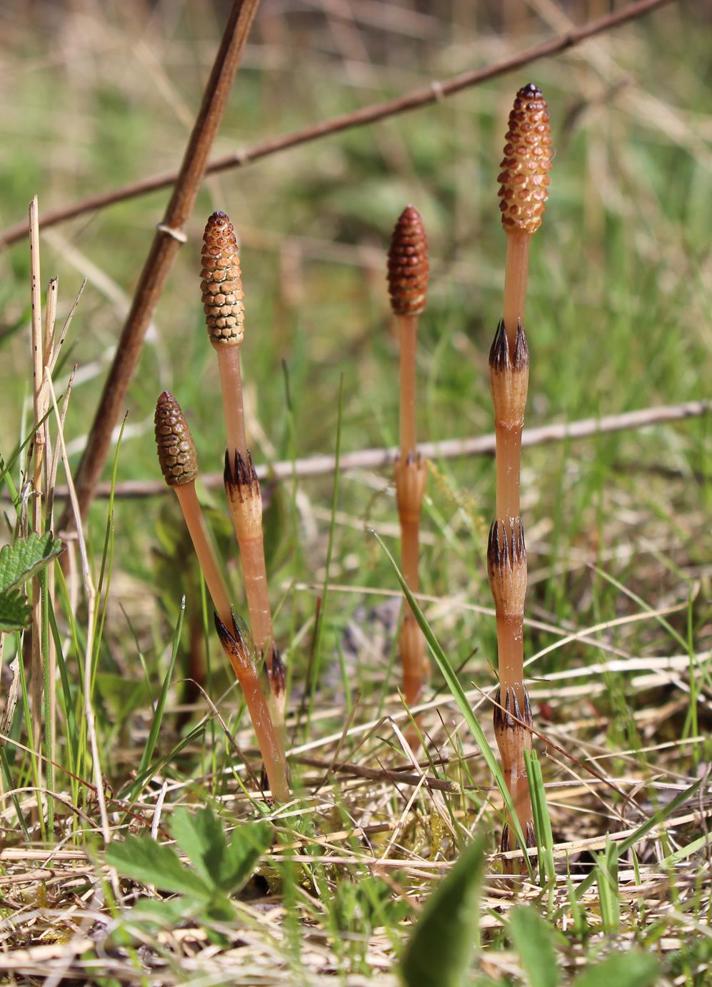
[(167, 240), (179, 464), (477, 445), (222, 294), (524, 183), (408, 270), (414, 100)]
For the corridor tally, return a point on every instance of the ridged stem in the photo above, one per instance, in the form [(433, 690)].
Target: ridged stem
[(407, 331), (507, 464), (268, 732), (231, 387), (515, 283), (197, 529)]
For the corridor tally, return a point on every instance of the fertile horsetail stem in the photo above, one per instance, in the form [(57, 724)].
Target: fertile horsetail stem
[(223, 296), (221, 288), (524, 183), (524, 188), (179, 465), (408, 270)]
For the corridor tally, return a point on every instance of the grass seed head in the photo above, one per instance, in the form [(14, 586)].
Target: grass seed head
[(507, 566), (408, 266), (221, 283), (176, 450), (524, 178)]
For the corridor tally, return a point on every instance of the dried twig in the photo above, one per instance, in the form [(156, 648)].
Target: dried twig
[(479, 445), (417, 98), (166, 243)]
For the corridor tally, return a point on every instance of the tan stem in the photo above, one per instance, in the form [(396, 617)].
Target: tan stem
[(195, 523), (266, 730), (231, 386), (408, 328), (254, 571), (515, 283), (508, 457), (410, 550), (515, 739)]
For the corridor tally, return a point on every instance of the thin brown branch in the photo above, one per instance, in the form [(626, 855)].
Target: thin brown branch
[(479, 445), (166, 243), (417, 98)]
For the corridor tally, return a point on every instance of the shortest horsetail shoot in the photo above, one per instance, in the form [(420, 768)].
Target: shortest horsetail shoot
[(179, 464)]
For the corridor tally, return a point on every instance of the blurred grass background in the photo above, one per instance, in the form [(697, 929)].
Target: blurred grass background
[(100, 94)]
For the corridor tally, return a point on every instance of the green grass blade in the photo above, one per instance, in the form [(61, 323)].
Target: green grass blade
[(458, 694)]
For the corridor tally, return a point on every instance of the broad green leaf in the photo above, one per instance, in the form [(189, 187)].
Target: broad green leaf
[(143, 859), (533, 940), (246, 846), (444, 940), (225, 867), (14, 610), (201, 837), (631, 969), (22, 559)]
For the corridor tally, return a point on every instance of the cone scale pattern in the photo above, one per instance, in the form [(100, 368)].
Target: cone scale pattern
[(176, 451), (221, 284), (408, 267), (524, 178)]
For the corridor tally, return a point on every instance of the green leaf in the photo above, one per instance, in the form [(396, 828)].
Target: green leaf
[(201, 838), (143, 859), (532, 937), (443, 943), (246, 846), (223, 866), (20, 561), (14, 610), (631, 969)]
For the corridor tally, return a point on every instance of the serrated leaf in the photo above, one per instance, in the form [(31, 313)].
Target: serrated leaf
[(533, 940), (22, 559), (244, 850), (224, 866), (145, 860), (14, 610), (201, 838), (633, 969), (443, 943)]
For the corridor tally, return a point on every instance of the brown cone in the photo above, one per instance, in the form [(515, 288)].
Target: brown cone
[(524, 179), (408, 266), (221, 283), (176, 451)]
